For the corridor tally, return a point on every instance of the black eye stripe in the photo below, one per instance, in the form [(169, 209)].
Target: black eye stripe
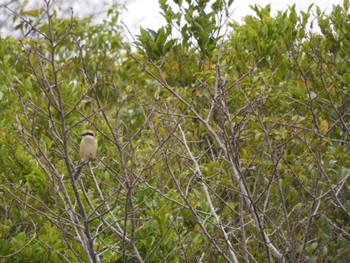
[(89, 133)]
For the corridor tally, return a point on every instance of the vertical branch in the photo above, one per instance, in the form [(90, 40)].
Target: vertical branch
[(210, 203)]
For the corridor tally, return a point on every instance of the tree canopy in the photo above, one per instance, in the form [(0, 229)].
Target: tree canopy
[(219, 141)]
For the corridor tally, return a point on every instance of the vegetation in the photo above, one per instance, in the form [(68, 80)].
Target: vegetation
[(218, 141)]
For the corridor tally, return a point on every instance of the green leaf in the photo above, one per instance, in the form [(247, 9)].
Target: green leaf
[(32, 12)]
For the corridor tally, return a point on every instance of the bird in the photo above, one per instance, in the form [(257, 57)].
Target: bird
[(87, 151)]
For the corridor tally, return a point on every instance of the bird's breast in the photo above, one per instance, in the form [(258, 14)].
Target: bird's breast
[(88, 149)]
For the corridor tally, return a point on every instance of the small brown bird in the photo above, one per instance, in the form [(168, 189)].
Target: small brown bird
[(88, 148)]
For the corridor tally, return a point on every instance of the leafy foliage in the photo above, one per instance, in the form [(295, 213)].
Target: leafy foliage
[(214, 145)]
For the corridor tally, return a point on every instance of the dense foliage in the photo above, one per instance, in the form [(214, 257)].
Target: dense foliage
[(218, 141)]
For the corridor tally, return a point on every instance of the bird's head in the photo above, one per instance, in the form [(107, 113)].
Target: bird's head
[(88, 133)]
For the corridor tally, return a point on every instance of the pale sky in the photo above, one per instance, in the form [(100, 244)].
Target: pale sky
[(146, 12)]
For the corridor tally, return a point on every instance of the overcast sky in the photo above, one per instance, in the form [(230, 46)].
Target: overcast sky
[(146, 12)]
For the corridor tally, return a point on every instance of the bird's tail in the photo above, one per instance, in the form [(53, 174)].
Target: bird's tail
[(78, 171)]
